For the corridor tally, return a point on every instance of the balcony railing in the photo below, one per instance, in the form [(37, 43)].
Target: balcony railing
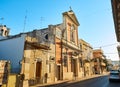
[(69, 44)]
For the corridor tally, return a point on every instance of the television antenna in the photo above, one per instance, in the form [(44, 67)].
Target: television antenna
[(25, 21), (41, 21)]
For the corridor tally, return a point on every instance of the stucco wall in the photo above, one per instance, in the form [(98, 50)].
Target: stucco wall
[(68, 75), (12, 49)]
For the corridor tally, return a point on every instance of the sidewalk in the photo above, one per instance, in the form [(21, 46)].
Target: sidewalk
[(63, 83)]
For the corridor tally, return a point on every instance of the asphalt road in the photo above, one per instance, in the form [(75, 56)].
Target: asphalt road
[(102, 81)]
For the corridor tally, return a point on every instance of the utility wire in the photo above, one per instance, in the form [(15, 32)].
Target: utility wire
[(111, 53), (106, 45)]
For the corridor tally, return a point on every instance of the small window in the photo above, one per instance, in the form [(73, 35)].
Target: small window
[(95, 60), (80, 46), (49, 68), (46, 36), (1, 32), (65, 61), (80, 62)]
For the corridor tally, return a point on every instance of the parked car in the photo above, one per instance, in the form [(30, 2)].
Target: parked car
[(114, 75)]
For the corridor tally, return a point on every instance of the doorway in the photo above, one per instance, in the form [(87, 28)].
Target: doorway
[(38, 71), (75, 68), (58, 70)]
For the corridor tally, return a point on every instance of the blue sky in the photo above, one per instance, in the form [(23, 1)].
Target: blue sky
[(95, 18)]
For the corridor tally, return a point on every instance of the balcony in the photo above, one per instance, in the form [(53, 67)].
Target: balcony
[(71, 45)]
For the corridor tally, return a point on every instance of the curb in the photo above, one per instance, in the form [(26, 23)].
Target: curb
[(64, 83)]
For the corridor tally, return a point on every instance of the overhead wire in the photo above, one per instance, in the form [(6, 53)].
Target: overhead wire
[(106, 45), (111, 53)]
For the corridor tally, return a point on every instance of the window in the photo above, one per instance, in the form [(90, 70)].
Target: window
[(1, 32), (80, 62), (72, 34), (6, 33), (65, 61), (46, 36), (49, 68), (80, 46)]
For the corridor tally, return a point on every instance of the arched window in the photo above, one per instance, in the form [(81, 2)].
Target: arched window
[(6, 33), (46, 36), (72, 34)]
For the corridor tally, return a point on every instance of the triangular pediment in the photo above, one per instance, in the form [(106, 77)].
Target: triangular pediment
[(72, 16)]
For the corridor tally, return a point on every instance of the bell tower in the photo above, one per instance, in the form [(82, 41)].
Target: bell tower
[(4, 31), (70, 24)]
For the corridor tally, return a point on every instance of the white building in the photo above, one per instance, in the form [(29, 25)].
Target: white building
[(12, 49)]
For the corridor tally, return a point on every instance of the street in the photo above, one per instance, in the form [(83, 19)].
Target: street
[(65, 43), (101, 81), (95, 82)]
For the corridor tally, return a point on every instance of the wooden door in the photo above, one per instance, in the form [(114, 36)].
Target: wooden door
[(38, 69), (58, 69)]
